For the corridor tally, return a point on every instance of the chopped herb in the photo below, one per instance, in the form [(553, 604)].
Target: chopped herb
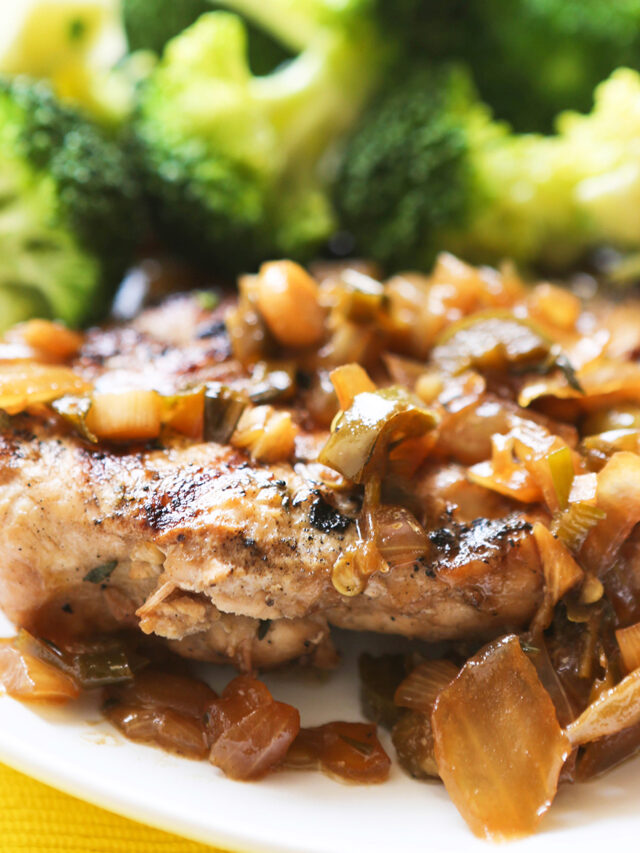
[(101, 573), (263, 628), (207, 299), (362, 748), (566, 368)]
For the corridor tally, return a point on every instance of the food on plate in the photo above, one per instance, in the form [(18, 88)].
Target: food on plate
[(451, 457), (428, 167), (236, 175), (71, 210)]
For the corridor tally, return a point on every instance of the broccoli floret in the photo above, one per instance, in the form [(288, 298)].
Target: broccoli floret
[(73, 44), (150, 24), (237, 165), (69, 208), (428, 169), (533, 58)]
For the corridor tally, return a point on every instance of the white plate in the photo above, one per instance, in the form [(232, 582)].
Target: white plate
[(302, 812)]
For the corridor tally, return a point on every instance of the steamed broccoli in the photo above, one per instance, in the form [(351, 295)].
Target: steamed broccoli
[(533, 58), (237, 165), (428, 168), (69, 214), (74, 44), (150, 24)]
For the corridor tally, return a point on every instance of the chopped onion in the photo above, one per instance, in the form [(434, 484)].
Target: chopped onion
[(184, 412), (26, 677), (629, 643), (618, 497), (614, 710), (249, 731), (491, 340), (498, 744), (421, 687), (167, 729), (125, 415), (24, 384), (269, 435), (602, 383), (348, 381), (348, 752), (53, 340), (561, 573), (412, 737), (400, 539)]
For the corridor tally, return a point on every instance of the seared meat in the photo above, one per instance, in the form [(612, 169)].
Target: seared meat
[(225, 558)]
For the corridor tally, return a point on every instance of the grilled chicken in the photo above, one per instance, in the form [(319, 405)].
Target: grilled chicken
[(224, 558)]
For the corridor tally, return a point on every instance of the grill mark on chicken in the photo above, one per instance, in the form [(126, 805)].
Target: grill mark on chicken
[(208, 543)]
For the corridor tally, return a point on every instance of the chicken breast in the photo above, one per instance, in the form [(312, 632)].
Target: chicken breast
[(224, 558)]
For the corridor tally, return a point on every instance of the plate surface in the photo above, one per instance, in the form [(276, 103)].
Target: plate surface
[(302, 812)]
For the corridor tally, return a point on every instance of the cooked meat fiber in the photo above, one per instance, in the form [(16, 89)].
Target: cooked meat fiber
[(225, 558)]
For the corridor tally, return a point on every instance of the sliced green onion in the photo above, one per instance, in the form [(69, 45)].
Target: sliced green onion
[(573, 524), (222, 410), (362, 435), (561, 465), (492, 340)]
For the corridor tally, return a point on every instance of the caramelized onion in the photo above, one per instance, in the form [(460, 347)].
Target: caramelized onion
[(618, 496), (614, 710), (362, 434), (498, 744), (267, 434), (24, 384), (412, 737), (400, 539), (165, 728), (421, 687), (629, 644), (125, 415), (26, 677), (348, 381), (348, 752), (561, 573), (248, 730)]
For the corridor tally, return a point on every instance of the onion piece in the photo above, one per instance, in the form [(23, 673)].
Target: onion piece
[(412, 737), (629, 643), (125, 415), (362, 434), (269, 435), (348, 381), (165, 728), (26, 677), (248, 730), (348, 752), (498, 744), (614, 710), (561, 573), (490, 340), (53, 340), (184, 412), (24, 384), (421, 687), (618, 496), (400, 539)]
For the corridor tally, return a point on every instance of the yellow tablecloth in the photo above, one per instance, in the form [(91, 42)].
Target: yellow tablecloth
[(37, 819)]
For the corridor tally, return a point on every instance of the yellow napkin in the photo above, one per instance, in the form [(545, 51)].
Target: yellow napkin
[(37, 819)]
